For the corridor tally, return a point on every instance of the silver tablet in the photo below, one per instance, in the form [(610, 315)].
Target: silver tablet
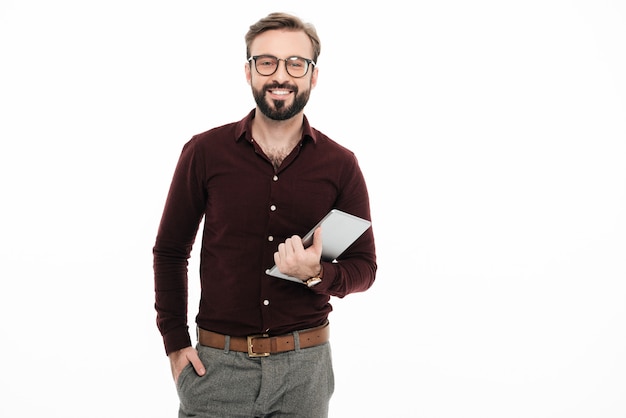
[(339, 231)]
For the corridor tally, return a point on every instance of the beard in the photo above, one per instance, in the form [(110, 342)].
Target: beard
[(279, 111)]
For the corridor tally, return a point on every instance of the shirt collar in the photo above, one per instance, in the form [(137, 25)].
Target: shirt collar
[(243, 129)]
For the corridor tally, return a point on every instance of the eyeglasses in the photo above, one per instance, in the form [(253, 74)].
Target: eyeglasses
[(268, 64)]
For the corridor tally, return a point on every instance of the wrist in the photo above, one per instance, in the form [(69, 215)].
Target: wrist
[(314, 280)]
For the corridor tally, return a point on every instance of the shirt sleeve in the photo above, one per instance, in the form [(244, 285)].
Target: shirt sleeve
[(181, 217), (355, 269)]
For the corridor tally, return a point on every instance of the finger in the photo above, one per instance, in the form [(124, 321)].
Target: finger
[(296, 243), (197, 364), (288, 247)]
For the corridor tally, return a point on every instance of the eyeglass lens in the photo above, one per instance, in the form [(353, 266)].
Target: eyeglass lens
[(267, 65)]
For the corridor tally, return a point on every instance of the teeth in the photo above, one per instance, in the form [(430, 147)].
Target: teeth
[(280, 91)]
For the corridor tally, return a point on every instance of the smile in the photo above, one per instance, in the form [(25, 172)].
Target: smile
[(278, 92)]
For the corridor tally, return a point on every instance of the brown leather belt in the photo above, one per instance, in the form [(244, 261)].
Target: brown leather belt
[(263, 345)]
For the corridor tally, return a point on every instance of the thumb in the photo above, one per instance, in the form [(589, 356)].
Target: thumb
[(195, 361), (317, 240)]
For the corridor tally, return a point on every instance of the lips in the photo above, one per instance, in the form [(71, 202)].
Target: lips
[(281, 91), (278, 92)]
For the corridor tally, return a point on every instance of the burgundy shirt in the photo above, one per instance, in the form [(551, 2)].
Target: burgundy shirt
[(249, 208)]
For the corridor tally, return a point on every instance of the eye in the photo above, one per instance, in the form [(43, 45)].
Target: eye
[(265, 61), (296, 63)]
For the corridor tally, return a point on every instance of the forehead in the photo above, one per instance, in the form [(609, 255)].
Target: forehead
[(282, 44)]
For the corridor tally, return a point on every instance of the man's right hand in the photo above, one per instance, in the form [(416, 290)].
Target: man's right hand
[(181, 358)]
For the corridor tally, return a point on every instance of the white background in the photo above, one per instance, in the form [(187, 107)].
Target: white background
[(493, 138)]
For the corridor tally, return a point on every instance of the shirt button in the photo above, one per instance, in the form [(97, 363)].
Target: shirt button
[(266, 302), (273, 208), (270, 238), (275, 178)]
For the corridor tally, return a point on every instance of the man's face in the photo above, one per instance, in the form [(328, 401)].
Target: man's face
[(281, 96)]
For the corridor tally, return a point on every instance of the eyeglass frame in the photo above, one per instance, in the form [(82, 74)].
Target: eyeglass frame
[(309, 62)]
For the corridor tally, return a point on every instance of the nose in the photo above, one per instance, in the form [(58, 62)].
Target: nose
[(281, 73)]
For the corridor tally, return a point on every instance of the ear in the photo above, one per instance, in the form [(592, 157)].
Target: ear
[(314, 77), (248, 73)]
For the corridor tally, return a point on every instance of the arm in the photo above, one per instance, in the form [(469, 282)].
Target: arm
[(356, 268), (177, 231)]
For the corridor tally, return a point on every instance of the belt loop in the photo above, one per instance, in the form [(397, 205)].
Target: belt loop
[(296, 341), (226, 343)]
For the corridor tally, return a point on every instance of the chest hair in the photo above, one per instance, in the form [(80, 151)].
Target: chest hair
[(277, 155)]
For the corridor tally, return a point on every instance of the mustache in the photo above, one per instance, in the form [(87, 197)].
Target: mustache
[(285, 86)]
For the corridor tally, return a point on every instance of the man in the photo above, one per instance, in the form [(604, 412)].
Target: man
[(260, 184)]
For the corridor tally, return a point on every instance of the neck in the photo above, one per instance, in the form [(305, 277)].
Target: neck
[(277, 132)]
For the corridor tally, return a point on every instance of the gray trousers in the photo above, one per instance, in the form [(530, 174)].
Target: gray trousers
[(296, 383)]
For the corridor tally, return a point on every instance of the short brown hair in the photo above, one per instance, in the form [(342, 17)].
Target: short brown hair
[(276, 21)]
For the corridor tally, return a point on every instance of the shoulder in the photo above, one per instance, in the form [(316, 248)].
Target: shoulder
[(229, 133), (328, 144), (218, 133), (334, 153), (221, 137)]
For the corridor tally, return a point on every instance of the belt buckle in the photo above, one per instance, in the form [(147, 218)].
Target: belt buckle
[(250, 345)]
